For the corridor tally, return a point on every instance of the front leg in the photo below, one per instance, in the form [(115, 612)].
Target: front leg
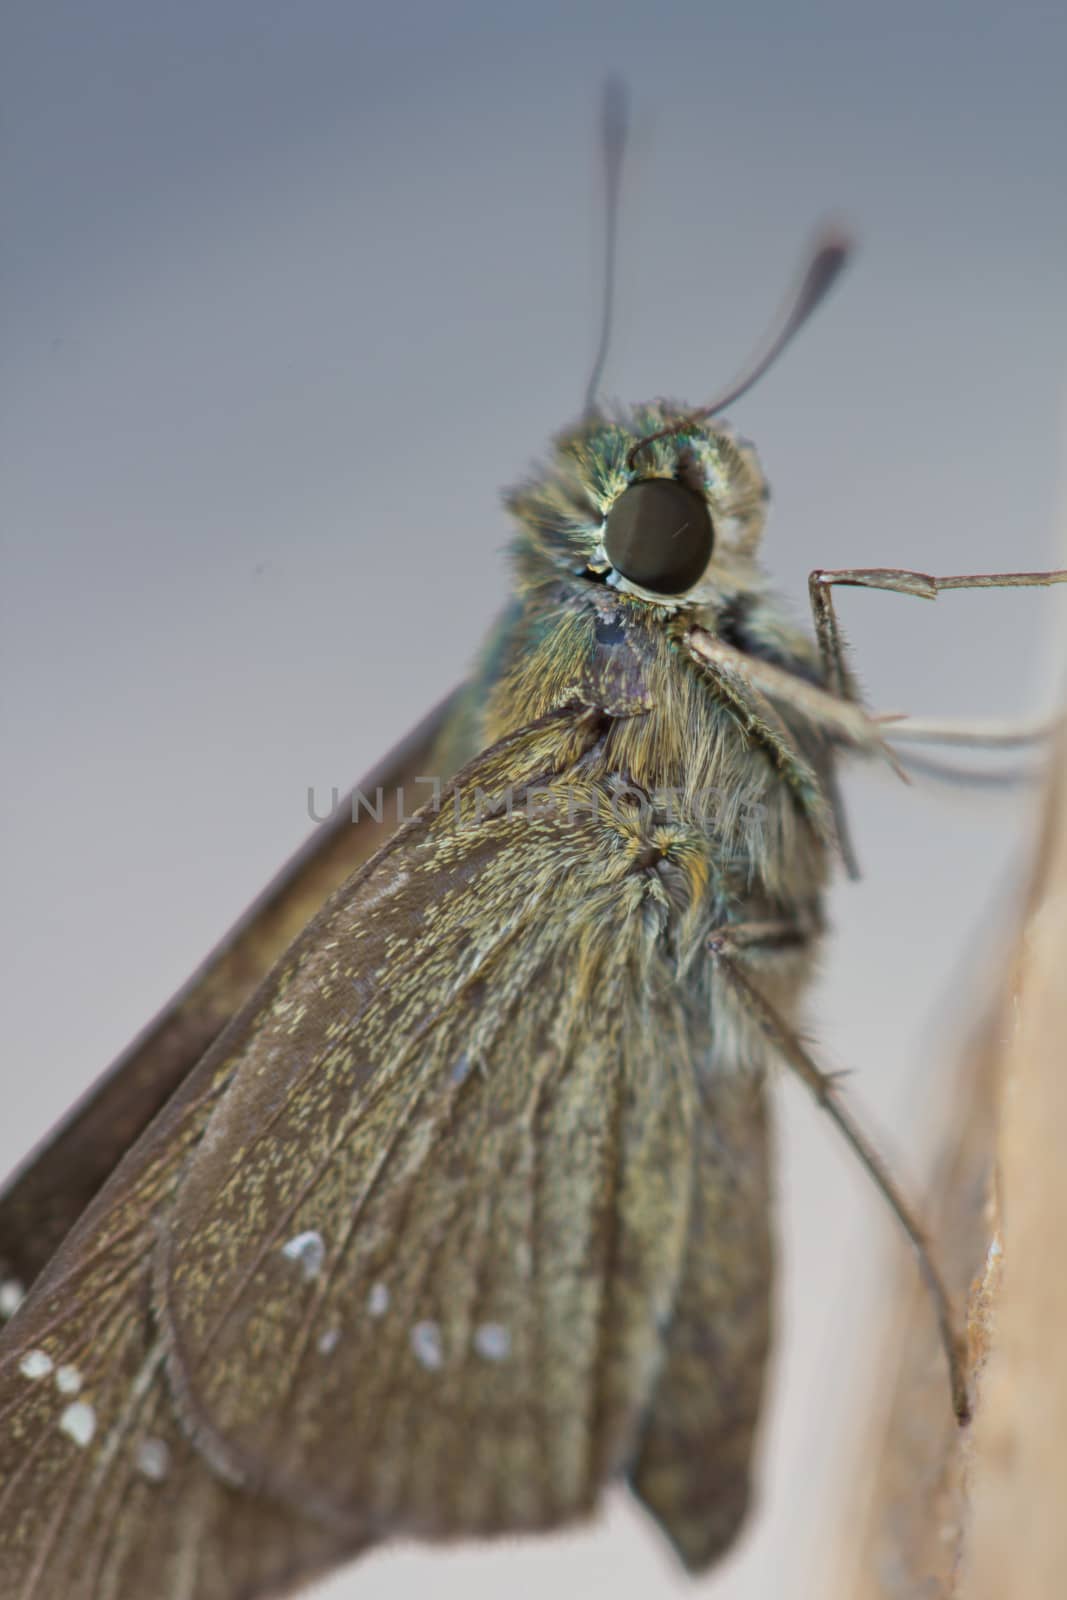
[(898, 580)]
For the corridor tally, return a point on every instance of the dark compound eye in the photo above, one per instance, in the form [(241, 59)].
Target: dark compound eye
[(659, 535)]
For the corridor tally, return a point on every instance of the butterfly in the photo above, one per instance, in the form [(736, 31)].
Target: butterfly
[(440, 1198)]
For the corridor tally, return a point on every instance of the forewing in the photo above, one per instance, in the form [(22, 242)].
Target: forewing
[(44, 1199), (101, 1493), (497, 1195), (418, 1270)]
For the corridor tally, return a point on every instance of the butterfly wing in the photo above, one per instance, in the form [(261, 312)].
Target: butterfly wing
[(417, 1227), (466, 1182), (101, 1492), (44, 1199), (692, 1467)]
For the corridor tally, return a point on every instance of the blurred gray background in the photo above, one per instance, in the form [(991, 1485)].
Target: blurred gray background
[(289, 293)]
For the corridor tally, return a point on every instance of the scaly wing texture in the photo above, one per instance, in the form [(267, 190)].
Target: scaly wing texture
[(414, 1275), (44, 1199), (101, 1494), (420, 1231), (692, 1469)]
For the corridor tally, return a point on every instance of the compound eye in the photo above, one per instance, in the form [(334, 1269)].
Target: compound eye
[(659, 535)]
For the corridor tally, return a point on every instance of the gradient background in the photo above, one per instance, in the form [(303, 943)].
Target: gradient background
[(289, 292)]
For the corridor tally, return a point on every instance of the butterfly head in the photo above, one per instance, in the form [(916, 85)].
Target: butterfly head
[(659, 505), (665, 504)]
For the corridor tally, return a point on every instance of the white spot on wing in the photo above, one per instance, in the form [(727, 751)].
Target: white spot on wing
[(492, 1341), (153, 1459), (462, 1069), (309, 1249), (328, 1341), (378, 1300), (427, 1345), (35, 1364), (12, 1295), (68, 1380), (78, 1422)]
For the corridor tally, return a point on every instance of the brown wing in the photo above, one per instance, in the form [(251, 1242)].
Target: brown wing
[(101, 1493), (45, 1197), (415, 1275), (423, 1217), (692, 1468)]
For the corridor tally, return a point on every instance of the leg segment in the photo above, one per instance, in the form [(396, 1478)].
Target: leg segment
[(899, 581), (727, 947)]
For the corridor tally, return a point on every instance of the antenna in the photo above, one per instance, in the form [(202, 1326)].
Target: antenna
[(827, 256), (614, 126)]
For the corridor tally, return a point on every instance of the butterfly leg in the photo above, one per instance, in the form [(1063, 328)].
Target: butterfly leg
[(968, 734), (750, 680), (897, 580), (727, 947)]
